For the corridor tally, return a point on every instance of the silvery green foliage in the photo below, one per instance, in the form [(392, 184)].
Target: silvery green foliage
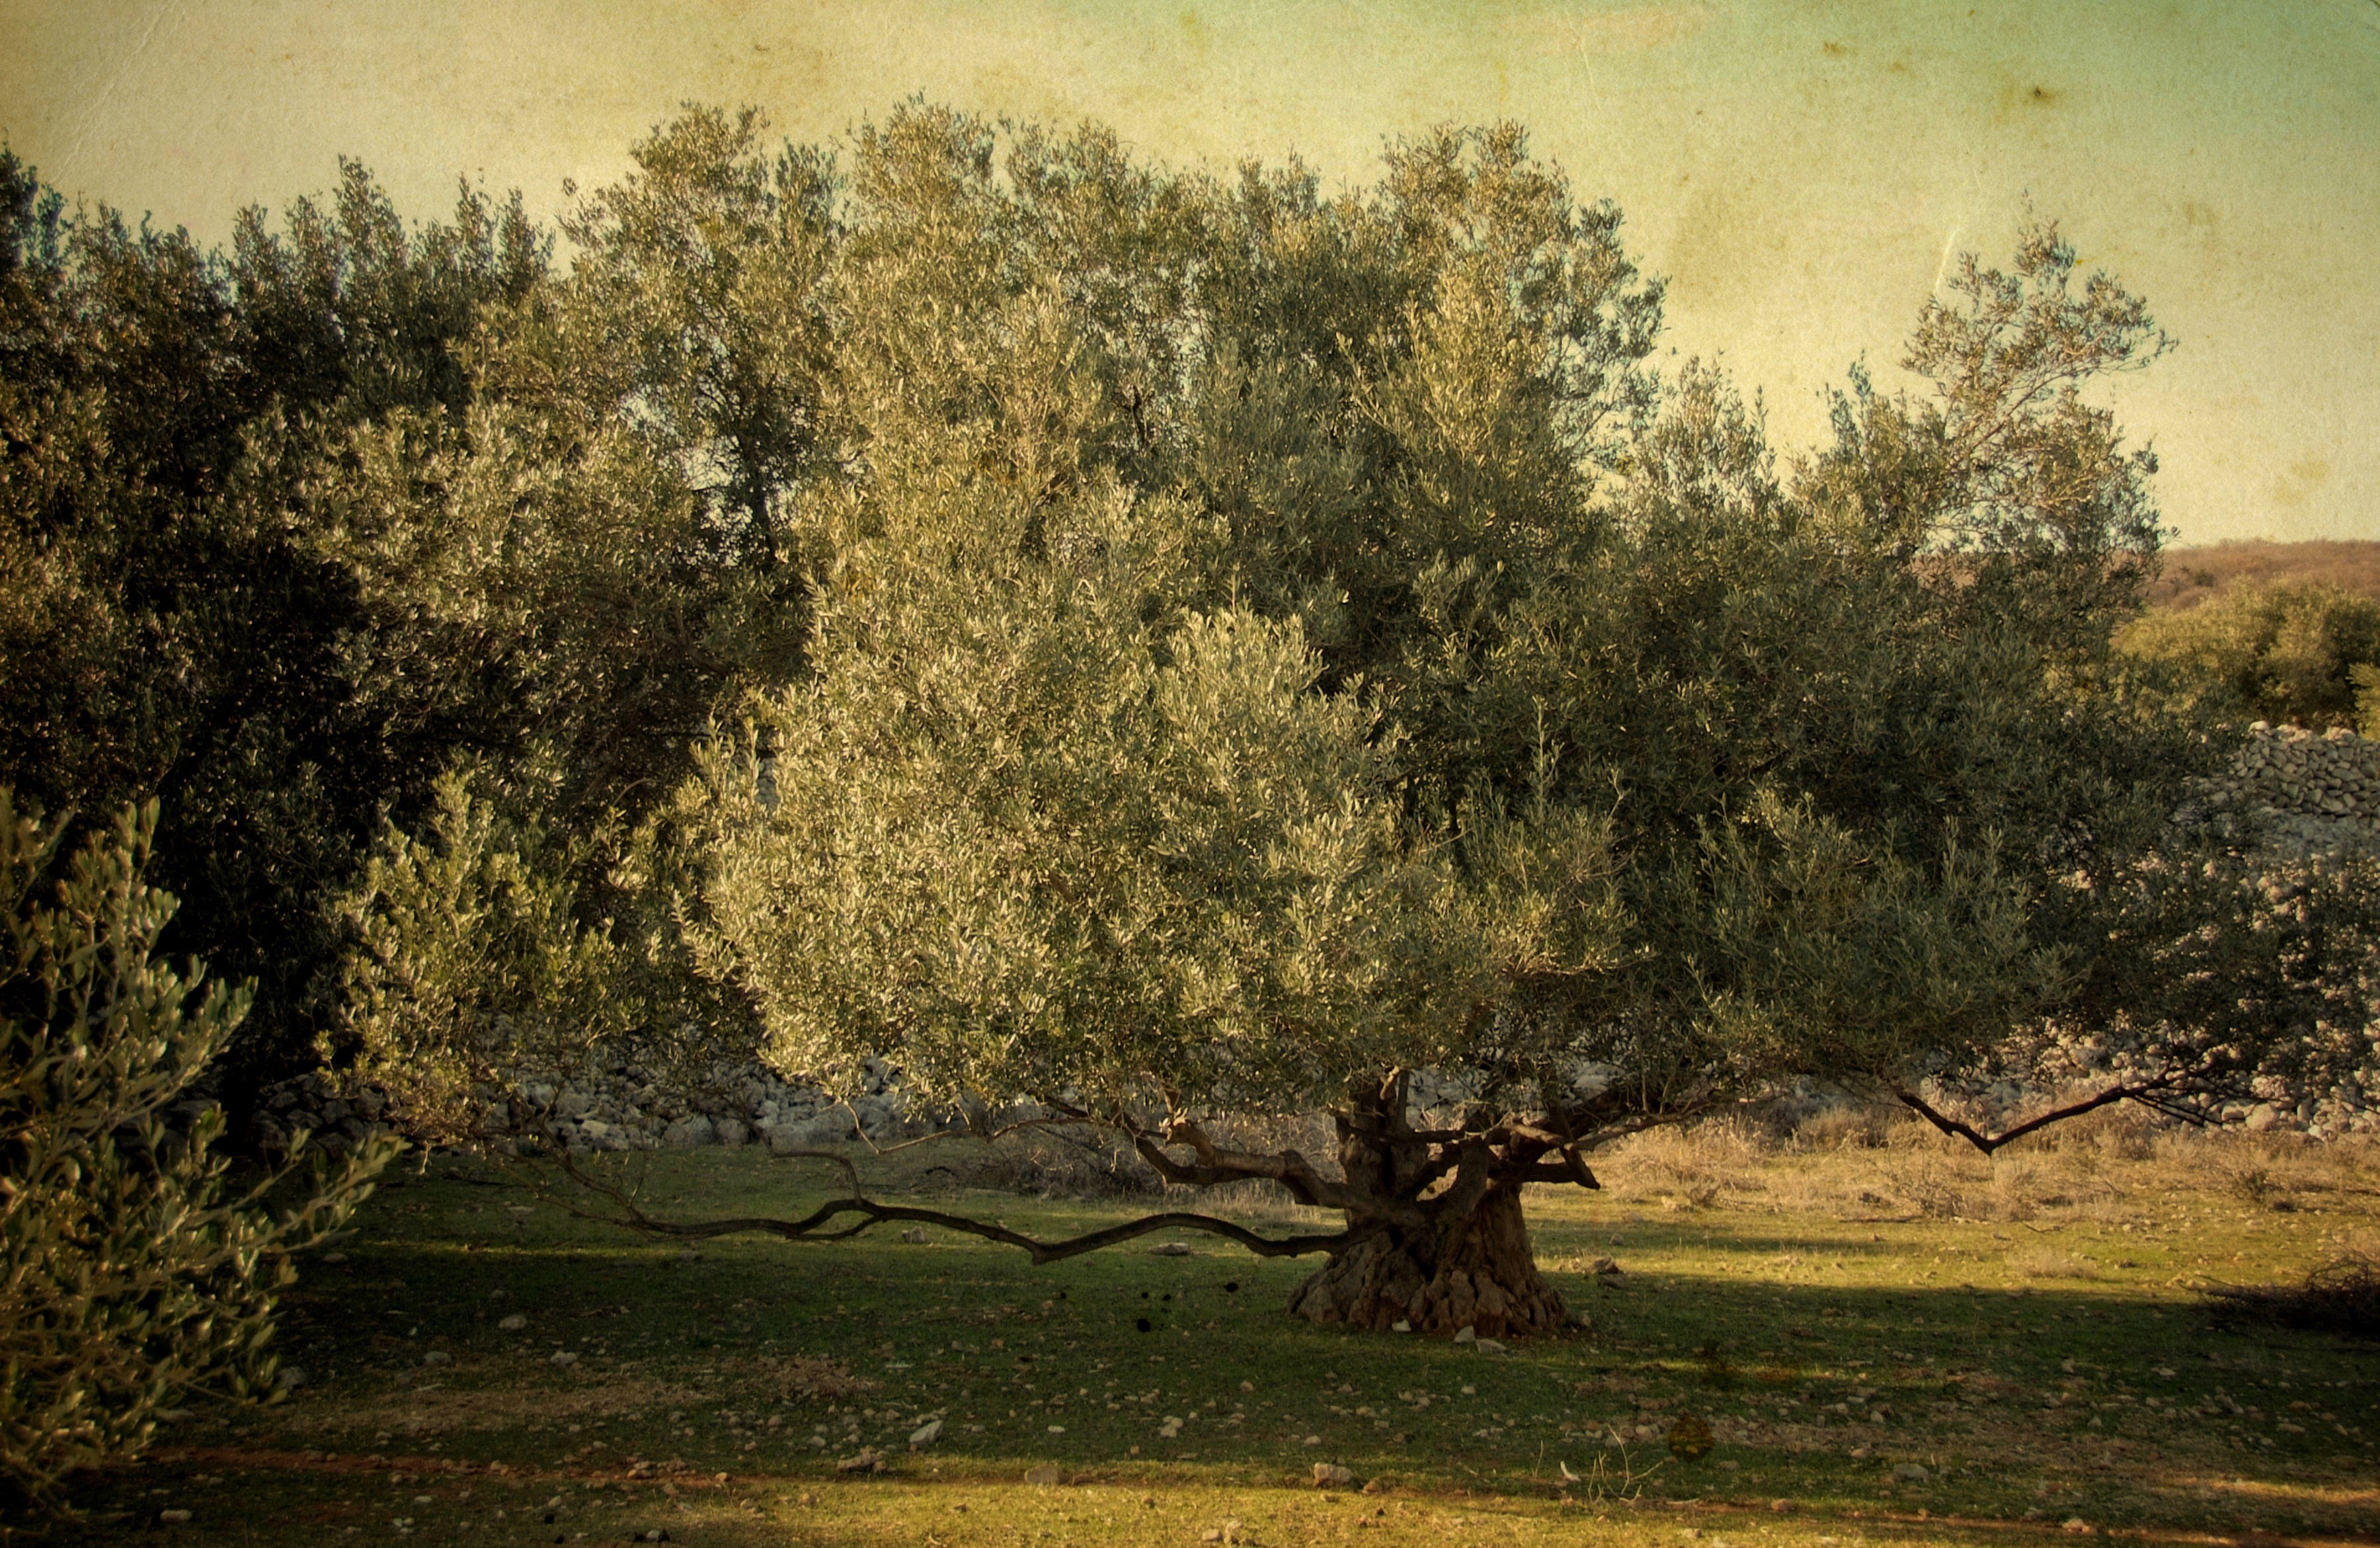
[(1235, 644), (471, 968), (133, 1267)]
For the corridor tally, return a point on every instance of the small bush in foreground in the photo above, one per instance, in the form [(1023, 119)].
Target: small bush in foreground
[(128, 1277)]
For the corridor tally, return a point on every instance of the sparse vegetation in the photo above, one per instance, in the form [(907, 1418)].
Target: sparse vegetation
[(2194, 576)]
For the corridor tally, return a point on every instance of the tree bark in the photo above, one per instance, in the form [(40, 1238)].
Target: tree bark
[(1475, 1271)]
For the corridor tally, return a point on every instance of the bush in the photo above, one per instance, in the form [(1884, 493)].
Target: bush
[(2299, 653), (131, 1271), (2342, 1295)]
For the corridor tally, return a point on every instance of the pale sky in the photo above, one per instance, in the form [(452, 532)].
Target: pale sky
[(1797, 171)]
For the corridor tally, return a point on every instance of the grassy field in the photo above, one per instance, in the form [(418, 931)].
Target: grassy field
[(1889, 1342)]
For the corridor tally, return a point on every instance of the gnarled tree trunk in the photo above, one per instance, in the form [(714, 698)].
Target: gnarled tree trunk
[(1435, 1238), (1474, 1270)]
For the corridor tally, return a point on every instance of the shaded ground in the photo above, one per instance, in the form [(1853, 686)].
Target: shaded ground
[(2039, 1370)]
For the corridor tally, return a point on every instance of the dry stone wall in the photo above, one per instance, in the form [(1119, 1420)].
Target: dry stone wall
[(2309, 793)]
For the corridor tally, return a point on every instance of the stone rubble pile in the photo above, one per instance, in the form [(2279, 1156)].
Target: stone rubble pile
[(2313, 793)]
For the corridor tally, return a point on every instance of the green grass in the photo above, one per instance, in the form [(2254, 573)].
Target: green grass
[(2038, 1370)]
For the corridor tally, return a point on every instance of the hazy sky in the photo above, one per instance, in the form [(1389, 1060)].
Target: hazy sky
[(1798, 170)]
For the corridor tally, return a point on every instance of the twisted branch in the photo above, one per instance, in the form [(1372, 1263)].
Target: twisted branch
[(824, 1223)]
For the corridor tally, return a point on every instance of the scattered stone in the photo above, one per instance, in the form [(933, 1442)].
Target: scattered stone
[(1489, 1346), (1169, 1250), (689, 1133), (2077, 1525), (173, 1518), (1909, 1472), (869, 1462), (1468, 1336), (915, 1235), (512, 1323), (925, 1434), (1330, 1475), (437, 1357), (1401, 1325), (564, 1357), (1044, 1475)]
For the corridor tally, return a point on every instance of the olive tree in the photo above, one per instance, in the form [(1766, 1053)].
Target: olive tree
[(1390, 703), (1266, 652)]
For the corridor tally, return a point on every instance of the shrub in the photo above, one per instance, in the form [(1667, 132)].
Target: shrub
[(2302, 653), (2341, 1296), (131, 1270)]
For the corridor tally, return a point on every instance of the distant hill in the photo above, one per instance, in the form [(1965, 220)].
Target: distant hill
[(2194, 575)]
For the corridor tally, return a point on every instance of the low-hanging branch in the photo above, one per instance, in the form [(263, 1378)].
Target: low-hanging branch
[(823, 1224), (2153, 1093)]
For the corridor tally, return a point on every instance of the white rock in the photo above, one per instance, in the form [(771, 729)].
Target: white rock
[(564, 1357), (512, 1323), (1468, 1336), (1910, 1472), (927, 1433), (1169, 1250)]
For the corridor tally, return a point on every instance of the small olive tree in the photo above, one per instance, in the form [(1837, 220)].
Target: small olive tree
[(133, 1267)]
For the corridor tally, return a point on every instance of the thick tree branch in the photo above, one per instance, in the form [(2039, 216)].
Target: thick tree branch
[(1216, 1165), (2146, 1091), (824, 1223)]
